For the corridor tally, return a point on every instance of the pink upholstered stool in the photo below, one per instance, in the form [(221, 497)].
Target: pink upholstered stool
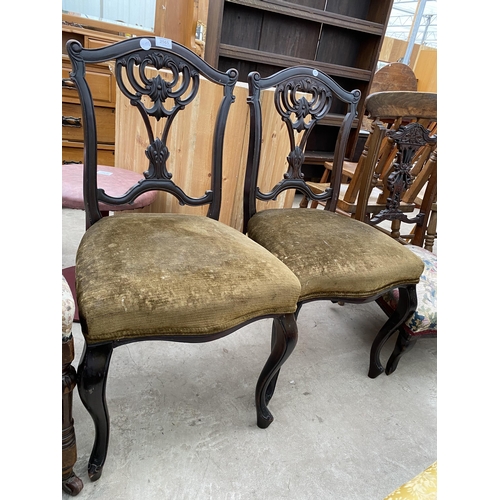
[(115, 182)]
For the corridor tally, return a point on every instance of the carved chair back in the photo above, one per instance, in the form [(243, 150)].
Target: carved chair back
[(377, 159), (406, 165), (302, 97), (160, 78)]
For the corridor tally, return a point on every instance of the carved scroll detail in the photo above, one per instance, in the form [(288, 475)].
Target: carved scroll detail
[(160, 96), (295, 108), (409, 139)]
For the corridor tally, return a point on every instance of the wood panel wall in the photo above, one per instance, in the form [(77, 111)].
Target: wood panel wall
[(425, 70)]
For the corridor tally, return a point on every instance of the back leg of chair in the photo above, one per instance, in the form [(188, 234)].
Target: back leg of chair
[(404, 343), (407, 305), (431, 232), (92, 376), (284, 340)]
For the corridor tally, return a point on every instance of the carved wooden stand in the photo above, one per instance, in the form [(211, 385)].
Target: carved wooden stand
[(71, 483)]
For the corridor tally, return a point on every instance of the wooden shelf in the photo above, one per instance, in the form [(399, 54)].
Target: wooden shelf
[(342, 38), (244, 54), (311, 14), (317, 157)]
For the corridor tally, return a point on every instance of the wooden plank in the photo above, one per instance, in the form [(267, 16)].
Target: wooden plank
[(214, 28), (344, 48), (311, 14), (286, 61), (106, 29), (358, 9), (241, 26), (295, 38), (426, 70)]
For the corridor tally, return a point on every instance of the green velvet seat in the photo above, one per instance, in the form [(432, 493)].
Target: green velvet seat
[(168, 276), (175, 274), (335, 257)]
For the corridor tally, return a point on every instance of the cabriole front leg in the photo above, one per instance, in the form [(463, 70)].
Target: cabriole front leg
[(272, 383), (92, 376), (407, 305), (283, 343)]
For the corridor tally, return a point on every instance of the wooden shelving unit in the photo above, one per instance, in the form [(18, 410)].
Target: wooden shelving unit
[(343, 38)]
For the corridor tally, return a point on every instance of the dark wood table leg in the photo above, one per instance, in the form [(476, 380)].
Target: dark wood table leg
[(71, 483)]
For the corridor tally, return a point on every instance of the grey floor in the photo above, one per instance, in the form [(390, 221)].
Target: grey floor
[(183, 422)]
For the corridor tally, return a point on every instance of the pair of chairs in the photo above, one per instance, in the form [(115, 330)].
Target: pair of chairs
[(190, 278)]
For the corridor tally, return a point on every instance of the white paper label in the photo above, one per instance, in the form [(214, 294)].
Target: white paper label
[(163, 42)]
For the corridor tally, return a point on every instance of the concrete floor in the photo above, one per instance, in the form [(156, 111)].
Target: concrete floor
[(183, 423)]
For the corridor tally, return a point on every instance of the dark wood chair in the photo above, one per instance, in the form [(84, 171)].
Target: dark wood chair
[(336, 258), (164, 276), (71, 483)]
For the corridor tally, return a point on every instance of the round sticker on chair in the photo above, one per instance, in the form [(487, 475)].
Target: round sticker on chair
[(145, 43)]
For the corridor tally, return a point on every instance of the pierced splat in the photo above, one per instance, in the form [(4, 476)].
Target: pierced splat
[(300, 113), (177, 85), (408, 139), (302, 97)]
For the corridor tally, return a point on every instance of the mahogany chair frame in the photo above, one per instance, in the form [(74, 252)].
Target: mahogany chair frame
[(294, 110), (186, 67)]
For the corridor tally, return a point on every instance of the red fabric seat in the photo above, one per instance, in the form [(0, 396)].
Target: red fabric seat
[(115, 182)]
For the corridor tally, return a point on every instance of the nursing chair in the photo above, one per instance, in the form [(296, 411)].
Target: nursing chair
[(182, 277), (336, 258)]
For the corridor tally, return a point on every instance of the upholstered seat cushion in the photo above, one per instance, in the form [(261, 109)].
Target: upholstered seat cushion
[(68, 310), (334, 255), (175, 274), (424, 320), (115, 182)]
